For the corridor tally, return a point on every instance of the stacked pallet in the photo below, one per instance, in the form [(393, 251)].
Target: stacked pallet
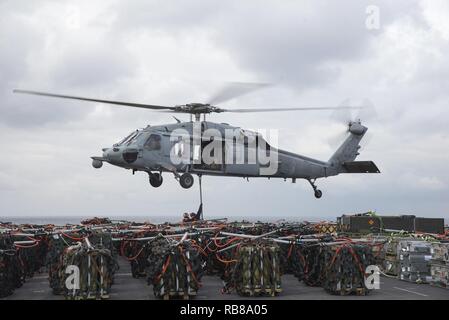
[(414, 260), (378, 244), (344, 271), (257, 270), (174, 268), (20, 257), (439, 267), (96, 267), (58, 244), (81, 266), (11, 275), (391, 262)]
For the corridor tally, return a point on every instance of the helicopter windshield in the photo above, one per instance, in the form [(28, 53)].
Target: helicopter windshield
[(128, 138), (133, 138)]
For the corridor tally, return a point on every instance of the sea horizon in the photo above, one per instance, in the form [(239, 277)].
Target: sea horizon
[(75, 219)]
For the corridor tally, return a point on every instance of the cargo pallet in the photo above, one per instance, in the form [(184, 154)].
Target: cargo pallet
[(178, 295), (89, 297), (269, 292), (347, 292)]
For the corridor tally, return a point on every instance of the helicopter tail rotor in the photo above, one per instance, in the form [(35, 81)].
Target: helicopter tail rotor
[(344, 116)]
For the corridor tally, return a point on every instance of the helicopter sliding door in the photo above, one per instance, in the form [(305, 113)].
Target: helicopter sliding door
[(209, 155), (201, 152)]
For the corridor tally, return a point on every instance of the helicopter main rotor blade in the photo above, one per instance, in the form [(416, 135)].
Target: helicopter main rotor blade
[(233, 90), (128, 104), (288, 109)]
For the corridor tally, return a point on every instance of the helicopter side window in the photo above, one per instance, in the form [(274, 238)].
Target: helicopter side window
[(153, 142)]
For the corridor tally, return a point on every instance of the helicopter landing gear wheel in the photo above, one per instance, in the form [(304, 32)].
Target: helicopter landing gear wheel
[(186, 180), (156, 180), (318, 193)]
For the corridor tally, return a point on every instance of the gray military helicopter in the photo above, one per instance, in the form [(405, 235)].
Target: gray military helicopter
[(179, 148)]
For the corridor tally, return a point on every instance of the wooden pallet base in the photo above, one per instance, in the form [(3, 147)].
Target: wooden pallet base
[(176, 295), (348, 292)]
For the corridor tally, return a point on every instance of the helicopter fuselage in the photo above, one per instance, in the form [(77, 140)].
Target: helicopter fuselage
[(218, 149)]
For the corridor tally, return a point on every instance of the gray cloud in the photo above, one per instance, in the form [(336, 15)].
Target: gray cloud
[(298, 43)]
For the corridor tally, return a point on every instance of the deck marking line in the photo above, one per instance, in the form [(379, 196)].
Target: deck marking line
[(419, 294)]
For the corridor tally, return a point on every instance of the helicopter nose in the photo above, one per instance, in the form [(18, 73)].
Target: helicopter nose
[(113, 155), (106, 153)]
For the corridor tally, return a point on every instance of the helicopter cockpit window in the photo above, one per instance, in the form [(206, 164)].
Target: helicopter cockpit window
[(153, 142)]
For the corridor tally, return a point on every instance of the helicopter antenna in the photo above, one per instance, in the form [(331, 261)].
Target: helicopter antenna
[(177, 120)]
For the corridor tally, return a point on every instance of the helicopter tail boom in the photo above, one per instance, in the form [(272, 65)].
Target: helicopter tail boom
[(343, 158), (349, 150)]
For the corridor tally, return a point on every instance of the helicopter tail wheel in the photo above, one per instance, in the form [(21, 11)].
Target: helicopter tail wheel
[(156, 180), (186, 180)]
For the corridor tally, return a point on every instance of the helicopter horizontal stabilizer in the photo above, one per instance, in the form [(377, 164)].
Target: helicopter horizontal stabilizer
[(361, 167)]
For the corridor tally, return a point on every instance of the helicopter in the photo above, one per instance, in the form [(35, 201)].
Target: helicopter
[(200, 147)]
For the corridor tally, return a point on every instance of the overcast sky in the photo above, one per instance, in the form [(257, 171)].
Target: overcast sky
[(314, 53)]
